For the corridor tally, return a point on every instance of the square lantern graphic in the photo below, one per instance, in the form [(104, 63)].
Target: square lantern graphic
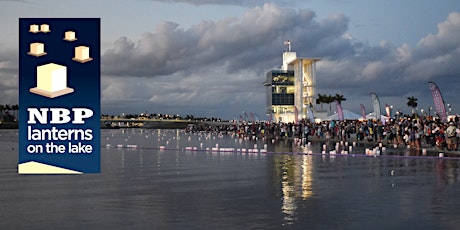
[(45, 28), (37, 49), (82, 54), (70, 36), (34, 28), (51, 81)]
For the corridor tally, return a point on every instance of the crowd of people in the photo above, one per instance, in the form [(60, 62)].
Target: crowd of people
[(407, 131)]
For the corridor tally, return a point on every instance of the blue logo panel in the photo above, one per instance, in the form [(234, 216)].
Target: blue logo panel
[(59, 95)]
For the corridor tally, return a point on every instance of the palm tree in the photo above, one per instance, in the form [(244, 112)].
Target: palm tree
[(412, 102), (7, 107), (329, 99), (321, 99), (15, 108), (2, 108), (339, 98)]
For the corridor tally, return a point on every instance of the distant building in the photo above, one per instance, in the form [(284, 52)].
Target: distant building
[(291, 89)]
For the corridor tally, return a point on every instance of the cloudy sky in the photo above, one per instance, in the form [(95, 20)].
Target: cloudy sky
[(209, 57)]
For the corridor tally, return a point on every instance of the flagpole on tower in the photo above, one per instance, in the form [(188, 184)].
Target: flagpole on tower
[(288, 43)]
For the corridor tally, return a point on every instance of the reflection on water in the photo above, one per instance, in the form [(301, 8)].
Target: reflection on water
[(164, 183), (296, 183), (307, 178), (288, 188), (315, 187)]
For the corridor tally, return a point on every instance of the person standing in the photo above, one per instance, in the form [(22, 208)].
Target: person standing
[(379, 131), (458, 135), (306, 132), (451, 137)]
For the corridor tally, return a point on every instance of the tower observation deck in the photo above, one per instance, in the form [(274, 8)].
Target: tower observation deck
[(291, 89)]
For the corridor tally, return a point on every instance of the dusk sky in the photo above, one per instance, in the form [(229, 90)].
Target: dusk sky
[(209, 57)]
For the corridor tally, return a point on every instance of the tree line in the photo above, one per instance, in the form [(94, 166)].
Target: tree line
[(328, 99), (5, 110)]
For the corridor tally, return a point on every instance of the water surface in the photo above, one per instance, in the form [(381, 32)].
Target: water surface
[(164, 184)]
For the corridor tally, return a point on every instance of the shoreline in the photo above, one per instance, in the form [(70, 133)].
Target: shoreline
[(373, 144), (9, 125)]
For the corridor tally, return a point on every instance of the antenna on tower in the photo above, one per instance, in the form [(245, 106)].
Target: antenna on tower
[(288, 43)]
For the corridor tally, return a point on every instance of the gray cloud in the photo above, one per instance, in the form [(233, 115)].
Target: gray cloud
[(227, 2), (254, 40), (8, 77), (217, 53), (399, 71), (216, 68)]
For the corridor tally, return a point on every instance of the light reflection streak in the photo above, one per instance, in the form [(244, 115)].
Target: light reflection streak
[(307, 178), (296, 182), (289, 206), (123, 163), (141, 160)]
